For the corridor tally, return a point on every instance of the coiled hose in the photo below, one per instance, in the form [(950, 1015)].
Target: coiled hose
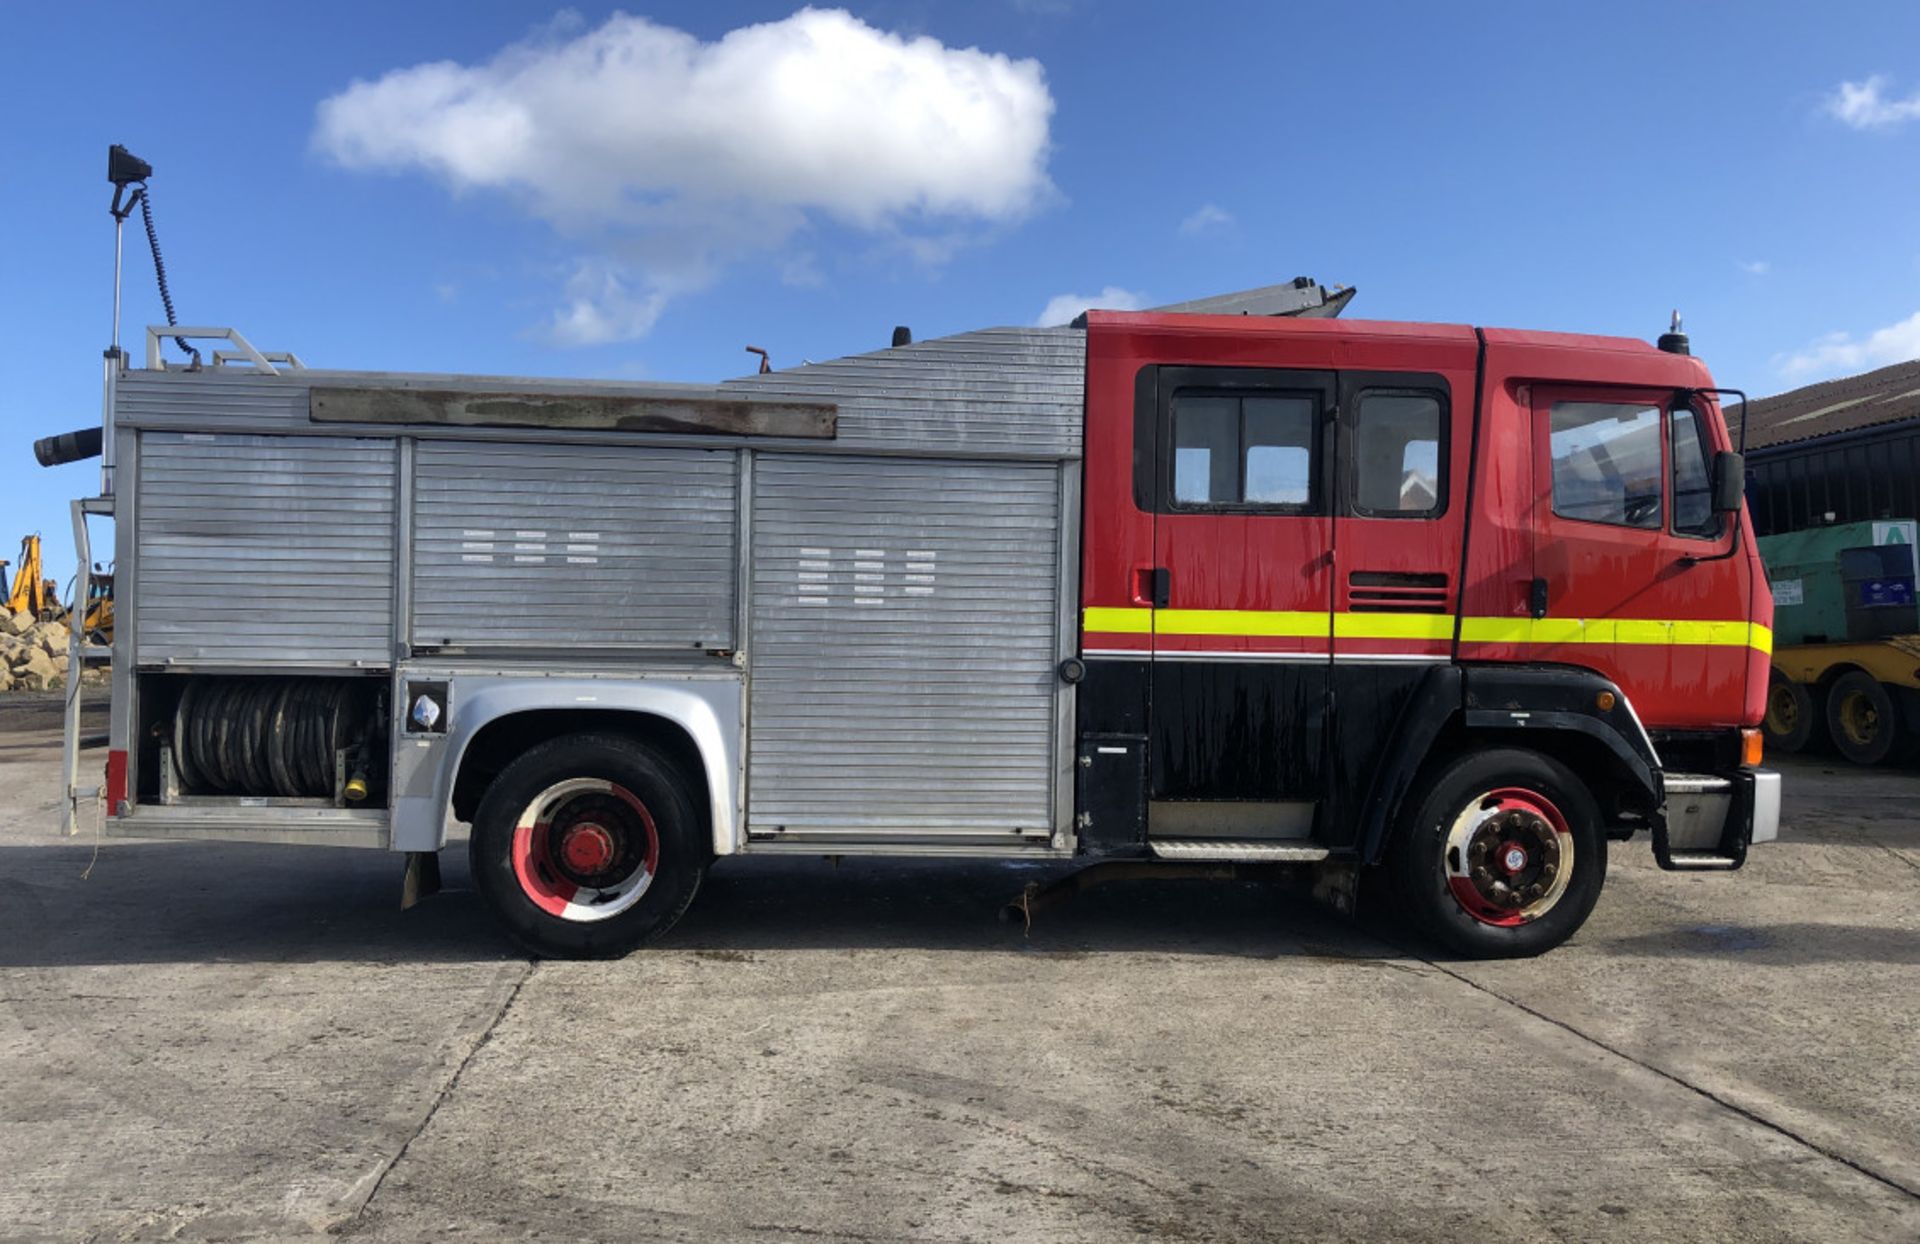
[(266, 736)]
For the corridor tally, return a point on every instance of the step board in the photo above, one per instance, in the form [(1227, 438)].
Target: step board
[(1701, 861), (1233, 849)]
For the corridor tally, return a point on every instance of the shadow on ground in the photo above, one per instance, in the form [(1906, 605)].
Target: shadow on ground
[(150, 902), (1777, 944)]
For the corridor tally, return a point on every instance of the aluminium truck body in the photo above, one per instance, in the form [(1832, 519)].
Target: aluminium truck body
[(1468, 604)]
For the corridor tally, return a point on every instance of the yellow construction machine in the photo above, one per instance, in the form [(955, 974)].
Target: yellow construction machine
[(98, 604), (32, 592)]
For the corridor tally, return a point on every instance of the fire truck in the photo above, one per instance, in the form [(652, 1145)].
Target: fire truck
[(1236, 581)]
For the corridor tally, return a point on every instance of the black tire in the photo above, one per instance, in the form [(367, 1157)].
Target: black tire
[(1863, 721), (1791, 724), (1553, 820), (632, 806)]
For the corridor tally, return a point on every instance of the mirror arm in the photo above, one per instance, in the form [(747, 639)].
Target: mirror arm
[(1741, 447), (1691, 559)]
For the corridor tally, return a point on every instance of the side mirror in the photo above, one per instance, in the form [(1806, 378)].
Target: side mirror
[(1729, 481)]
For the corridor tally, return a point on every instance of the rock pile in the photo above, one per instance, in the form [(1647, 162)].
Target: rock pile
[(33, 654)]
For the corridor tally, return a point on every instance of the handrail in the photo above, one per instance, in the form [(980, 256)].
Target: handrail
[(243, 349), (285, 358)]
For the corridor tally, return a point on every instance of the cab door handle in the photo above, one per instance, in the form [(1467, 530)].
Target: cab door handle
[(1537, 599), (1152, 585)]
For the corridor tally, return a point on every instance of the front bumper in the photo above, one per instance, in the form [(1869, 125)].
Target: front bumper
[(1708, 821)]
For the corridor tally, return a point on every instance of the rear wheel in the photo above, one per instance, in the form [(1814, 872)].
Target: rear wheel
[(1504, 856), (587, 846), (1791, 718), (1862, 719)]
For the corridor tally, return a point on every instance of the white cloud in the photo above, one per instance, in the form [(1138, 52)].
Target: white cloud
[(601, 306), (1755, 267), (1864, 106), (666, 157), (1207, 218), (1065, 308), (800, 269), (1840, 353)]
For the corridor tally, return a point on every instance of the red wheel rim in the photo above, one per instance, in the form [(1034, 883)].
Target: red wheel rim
[(585, 850), (1508, 857)]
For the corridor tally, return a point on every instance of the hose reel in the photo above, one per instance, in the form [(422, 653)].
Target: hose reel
[(295, 738)]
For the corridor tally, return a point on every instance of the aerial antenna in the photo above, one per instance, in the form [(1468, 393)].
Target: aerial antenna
[(124, 169)]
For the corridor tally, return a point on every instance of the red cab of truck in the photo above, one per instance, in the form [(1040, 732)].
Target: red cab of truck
[(1466, 602)]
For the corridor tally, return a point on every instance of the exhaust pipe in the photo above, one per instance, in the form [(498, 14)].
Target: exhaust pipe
[(68, 447)]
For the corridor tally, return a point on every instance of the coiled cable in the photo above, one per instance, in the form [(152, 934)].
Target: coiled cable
[(160, 269)]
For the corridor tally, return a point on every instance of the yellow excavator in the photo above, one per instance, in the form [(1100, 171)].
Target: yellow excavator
[(99, 608), (32, 592)]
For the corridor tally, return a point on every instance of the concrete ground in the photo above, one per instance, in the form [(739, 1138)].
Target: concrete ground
[(220, 1042)]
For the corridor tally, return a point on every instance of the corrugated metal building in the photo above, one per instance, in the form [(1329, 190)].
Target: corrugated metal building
[(1841, 451)]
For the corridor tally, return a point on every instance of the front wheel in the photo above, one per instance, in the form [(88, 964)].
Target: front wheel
[(587, 846), (1503, 857)]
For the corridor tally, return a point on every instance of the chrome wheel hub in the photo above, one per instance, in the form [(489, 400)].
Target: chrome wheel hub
[(1508, 857)]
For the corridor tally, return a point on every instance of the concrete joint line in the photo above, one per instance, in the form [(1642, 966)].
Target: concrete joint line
[(1892, 850), (1710, 1095), (377, 1178)]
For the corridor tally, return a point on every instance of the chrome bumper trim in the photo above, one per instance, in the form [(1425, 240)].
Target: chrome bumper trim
[(1766, 805)]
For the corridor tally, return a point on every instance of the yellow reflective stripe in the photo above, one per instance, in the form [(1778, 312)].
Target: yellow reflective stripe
[(1537, 630), (1294, 624), (1248, 623), (1118, 621), (1393, 626), (1496, 630), (1645, 631)]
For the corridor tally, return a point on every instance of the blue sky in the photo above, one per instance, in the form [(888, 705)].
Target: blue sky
[(1584, 168)]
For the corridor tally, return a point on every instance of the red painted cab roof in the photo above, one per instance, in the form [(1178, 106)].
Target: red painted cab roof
[(1552, 352)]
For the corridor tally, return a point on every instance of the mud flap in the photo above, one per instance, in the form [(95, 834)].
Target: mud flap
[(421, 879)]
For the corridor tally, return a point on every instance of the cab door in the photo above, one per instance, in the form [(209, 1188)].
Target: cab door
[(1241, 589), (1623, 521), (1396, 544)]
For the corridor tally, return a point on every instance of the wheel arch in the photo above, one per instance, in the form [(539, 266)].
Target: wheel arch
[(1834, 673), (697, 726), (1547, 709)]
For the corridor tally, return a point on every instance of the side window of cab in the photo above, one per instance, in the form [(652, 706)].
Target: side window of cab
[(1608, 466), (1693, 512), (1632, 464), (1397, 456)]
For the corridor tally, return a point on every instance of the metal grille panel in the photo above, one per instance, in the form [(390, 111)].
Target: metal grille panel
[(560, 546), (903, 644), (210, 399), (1000, 390), (264, 550)]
